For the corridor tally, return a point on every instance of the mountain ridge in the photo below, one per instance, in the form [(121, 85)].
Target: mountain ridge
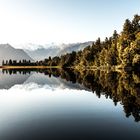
[(8, 52), (41, 53)]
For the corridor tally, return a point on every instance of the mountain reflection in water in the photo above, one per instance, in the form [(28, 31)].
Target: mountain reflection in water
[(71, 114), (123, 88)]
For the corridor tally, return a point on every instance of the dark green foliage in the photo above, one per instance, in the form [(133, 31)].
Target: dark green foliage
[(127, 27), (68, 59), (136, 23), (55, 61), (18, 63), (119, 49)]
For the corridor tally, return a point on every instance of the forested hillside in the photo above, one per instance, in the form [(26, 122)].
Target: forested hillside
[(119, 51)]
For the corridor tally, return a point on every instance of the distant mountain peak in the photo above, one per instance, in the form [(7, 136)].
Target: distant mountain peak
[(8, 52), (6, 46), (41, 52)]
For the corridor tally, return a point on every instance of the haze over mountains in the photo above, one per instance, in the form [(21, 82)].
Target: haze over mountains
[(8, 52), (42, 52), (35, 52)]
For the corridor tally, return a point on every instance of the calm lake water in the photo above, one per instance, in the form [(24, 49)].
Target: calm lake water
[(48, 105)]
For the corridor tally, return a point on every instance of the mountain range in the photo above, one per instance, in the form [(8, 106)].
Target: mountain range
[(42, 52), (38, 52)]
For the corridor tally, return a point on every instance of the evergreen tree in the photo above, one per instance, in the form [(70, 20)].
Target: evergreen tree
[(10, 62), (3, 63), (136, 23)]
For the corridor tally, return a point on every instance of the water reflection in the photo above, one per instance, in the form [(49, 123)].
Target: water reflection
[(60, 104), (120, 87), (60, 114)]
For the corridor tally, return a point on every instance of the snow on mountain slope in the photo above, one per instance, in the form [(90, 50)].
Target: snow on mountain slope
[(41, 52)]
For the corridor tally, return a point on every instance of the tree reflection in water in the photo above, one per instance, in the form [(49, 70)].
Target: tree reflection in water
[(120, 87)]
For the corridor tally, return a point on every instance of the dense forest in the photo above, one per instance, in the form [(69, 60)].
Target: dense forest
[(120, 51)]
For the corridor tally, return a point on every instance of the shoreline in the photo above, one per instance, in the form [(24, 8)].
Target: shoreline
[(118, 68), (29, 67)]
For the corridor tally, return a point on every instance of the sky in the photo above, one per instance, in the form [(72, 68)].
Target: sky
[(62, 21)]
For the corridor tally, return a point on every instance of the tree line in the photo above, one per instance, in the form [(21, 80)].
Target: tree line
[(120, 50), (23, 62)]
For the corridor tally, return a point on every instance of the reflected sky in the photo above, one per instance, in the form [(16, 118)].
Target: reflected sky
[(36, 106), (31, 111)]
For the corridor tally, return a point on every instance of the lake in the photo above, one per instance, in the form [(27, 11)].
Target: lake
[(57, 104)]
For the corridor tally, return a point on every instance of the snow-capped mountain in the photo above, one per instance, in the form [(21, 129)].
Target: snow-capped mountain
[(40, 52)]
